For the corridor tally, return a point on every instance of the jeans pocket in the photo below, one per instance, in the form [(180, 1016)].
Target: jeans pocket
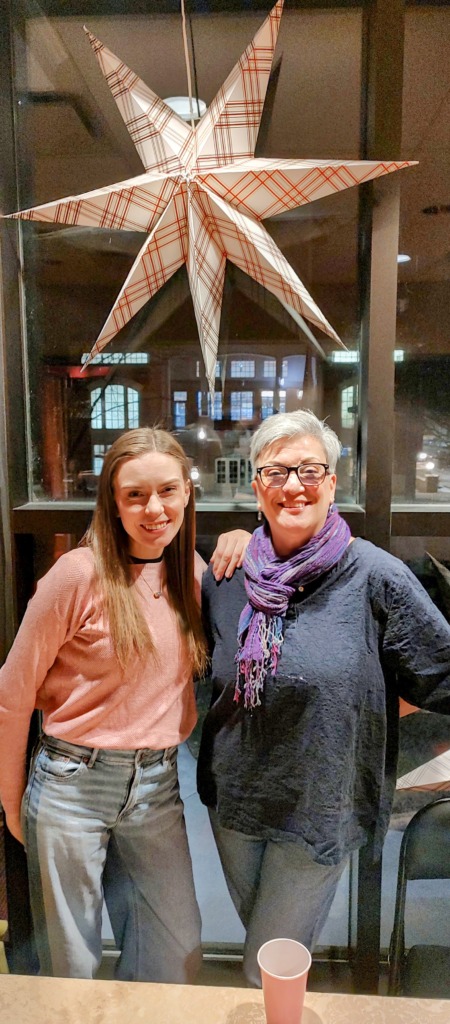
[(55, 765)]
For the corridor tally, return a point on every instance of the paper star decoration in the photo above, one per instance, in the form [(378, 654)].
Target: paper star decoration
[(434, 774), (203, 196)]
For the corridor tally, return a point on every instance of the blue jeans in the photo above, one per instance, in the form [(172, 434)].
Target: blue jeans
[(277, 889), (81, 803)]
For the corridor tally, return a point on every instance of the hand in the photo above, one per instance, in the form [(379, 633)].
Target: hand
[(14, 827), (229, 553)]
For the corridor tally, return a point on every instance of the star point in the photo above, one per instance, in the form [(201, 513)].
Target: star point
[(203, 196)]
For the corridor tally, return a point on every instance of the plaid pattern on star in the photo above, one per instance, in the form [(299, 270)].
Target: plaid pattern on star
[(203, 196)]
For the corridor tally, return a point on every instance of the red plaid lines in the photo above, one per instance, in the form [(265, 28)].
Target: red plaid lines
[(203, 197)]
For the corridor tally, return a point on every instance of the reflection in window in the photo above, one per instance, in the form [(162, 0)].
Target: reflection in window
[(269, 368), (115, 407), (233, 464), (241, 405), (98, 451), (221, 471), (96, 409), (422, 354), (73, 281), (349, 402), (179, 414), (343, 356), (353, 356), (232, 472), (242, 368), (112, 358), (160, 356), (179, 408), (215, 410), (266, 404), (199, 368), (133, 407)]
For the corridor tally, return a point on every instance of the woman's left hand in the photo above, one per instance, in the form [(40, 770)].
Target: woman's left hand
[(229, 553)]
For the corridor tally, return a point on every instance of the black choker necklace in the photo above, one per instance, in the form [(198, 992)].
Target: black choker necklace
[(144, 561)]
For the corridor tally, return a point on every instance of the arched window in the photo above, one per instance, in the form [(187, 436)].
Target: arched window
[(114, 409)]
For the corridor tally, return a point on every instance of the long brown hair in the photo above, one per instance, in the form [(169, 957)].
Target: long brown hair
[(110, 545)]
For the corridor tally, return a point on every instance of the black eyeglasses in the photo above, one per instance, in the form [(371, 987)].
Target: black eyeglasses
[(310, 474)]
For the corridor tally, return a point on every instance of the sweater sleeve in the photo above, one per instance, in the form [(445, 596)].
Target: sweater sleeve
[(416, 644), (52, 616)]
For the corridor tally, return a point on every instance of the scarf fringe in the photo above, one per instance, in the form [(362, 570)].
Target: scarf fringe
[(252, 666)]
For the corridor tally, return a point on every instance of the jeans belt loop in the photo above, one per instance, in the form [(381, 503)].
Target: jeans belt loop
[(90, 763)]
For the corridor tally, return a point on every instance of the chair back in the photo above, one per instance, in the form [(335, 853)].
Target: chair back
[(424, 854), (426, 842)]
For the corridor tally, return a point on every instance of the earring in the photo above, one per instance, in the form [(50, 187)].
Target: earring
[(259, 516)]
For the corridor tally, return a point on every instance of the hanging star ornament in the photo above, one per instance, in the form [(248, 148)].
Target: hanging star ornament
[(203, 196)]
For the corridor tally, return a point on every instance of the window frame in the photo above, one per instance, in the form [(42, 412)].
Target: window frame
[(27, 523)]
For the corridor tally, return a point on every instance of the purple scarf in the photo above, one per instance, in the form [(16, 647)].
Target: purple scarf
[(270, 583)]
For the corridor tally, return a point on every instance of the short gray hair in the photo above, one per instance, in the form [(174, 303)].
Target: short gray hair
[(301, 423)]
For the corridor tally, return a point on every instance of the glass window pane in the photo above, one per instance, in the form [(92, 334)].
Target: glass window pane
[(349, 406), (220, 471), (133, 408), (242, 368), (179, 414), (241, 405), (266, 404), (215, 408), (96, 408), (421, 471), (270, 366), (114, 406), (71, 139), (99, 451), (423, 738), (74, 274)]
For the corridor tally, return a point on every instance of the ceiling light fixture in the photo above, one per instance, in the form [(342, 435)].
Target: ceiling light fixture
[(181, 105)]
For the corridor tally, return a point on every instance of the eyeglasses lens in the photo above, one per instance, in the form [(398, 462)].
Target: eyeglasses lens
[(275, 476)]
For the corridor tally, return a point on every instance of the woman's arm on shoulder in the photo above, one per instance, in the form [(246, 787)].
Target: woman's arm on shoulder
[(229, 553)]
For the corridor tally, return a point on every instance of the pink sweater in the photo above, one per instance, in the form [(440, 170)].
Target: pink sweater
[(63, 663)]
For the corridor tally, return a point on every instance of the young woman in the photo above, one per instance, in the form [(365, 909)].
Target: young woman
[(107, 651), (298, 755)]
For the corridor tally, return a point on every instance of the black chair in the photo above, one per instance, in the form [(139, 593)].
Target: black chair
[(423, 970)]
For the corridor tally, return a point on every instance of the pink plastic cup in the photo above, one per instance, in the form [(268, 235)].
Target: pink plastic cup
[(284, 966)]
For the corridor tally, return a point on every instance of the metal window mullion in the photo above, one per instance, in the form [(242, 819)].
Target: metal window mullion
[(380, 201)]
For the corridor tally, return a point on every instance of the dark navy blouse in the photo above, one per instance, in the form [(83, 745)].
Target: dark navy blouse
[(316, 762)]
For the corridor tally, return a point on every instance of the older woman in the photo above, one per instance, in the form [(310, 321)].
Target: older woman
[(298, 755)]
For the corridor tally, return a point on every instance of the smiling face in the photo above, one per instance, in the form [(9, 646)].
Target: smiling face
[(151, 496), (295, 513)]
